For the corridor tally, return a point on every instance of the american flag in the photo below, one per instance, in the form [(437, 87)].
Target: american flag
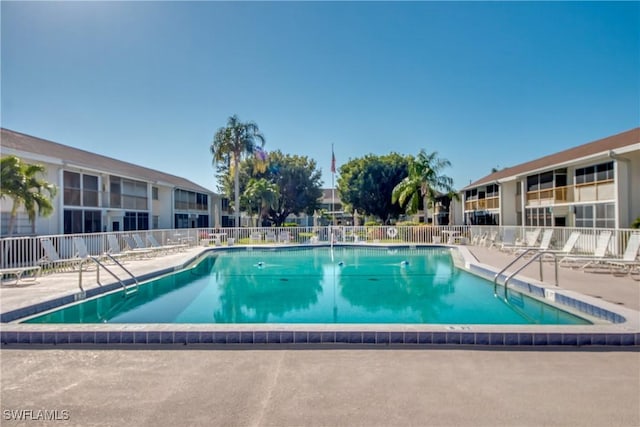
[(333, 161)]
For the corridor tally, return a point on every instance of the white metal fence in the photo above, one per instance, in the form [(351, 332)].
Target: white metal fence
[(29, 251)]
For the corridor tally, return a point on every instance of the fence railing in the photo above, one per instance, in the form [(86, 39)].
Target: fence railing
[(29, 251)]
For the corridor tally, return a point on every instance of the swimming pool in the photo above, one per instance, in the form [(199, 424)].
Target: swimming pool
[(320, 285)]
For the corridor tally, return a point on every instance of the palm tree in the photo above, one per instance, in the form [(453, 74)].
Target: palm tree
[(21, 182), (424, 181), (230, 144), (263, 194)]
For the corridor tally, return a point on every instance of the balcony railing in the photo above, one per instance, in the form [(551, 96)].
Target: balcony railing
[(591, 191), (482, 204)]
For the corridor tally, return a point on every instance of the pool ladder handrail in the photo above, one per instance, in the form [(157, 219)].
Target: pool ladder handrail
[(538, 256), (128, 290)]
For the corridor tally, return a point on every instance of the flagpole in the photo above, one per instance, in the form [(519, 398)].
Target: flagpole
[(333, 197)]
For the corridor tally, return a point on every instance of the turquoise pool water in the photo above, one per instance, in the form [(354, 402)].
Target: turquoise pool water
[(312, 285)]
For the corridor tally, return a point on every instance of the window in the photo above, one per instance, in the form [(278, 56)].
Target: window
[(533, 183), (604, 172), (155, 220), (546, 180), (72, 193), (82, 221), (601, 215), (181, 221), (92, 222), (190, 200), (136, 221), (116, 193), (154, 193), (601, 172), (203, 221), (605, 215), (89, 190), (134, 194), (538, 217)]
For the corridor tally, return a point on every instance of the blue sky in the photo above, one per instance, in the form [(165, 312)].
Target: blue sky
[(485, 84)]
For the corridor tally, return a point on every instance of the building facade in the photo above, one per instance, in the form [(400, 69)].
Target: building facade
[(98, 193), (595, 185)]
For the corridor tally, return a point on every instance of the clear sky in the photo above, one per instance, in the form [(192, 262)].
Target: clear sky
[(485, 84)]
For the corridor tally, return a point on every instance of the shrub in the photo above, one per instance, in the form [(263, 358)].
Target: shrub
[(636, 223)]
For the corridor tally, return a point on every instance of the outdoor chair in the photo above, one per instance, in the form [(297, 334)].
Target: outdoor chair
[(155, 245), (545, 243), (135, 249), (255, 236), (629, 261), (284, 237), (270, 236), (52, 261), (584, 261)]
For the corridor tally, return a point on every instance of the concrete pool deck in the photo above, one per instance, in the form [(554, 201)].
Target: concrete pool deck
[(616, 294)]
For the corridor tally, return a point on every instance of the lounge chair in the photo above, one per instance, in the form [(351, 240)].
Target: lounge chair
[(508, 239), (24, 274), (529, 241), (545, 243), (51, 259), (155, 245), (477, 238), (584, 261), (629, 260), (134, 248), (140, 244), (270, 236), (81, 248), (284, 237), (489, 240), (115, 250), (255, 236)]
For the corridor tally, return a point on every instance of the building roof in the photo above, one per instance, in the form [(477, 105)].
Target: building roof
[(620, 140), (26, 143)]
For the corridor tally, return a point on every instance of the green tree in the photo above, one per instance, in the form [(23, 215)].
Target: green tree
[(230, 145), (366, 184), (423, 182), (260, 196), (22, 183), (299, 182), (296, 177)]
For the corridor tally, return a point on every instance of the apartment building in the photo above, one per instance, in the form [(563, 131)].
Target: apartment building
[(595, 185), (98, 193)]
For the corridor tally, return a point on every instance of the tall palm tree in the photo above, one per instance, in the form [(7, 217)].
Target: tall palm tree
[(22, 183), (263, 194), (424, 181), (232, 142)]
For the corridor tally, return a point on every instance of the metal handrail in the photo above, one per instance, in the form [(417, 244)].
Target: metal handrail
[(100, 264), (537, 256)]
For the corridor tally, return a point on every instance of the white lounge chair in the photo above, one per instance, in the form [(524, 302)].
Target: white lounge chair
[(255, 236), (584, 261), (140, 244), (22, 274), (51, 259), (508, 239), (115, 250), (270, 236), (155, 245), (284, 237), (134, 248), (629, 261), (545, 243)]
